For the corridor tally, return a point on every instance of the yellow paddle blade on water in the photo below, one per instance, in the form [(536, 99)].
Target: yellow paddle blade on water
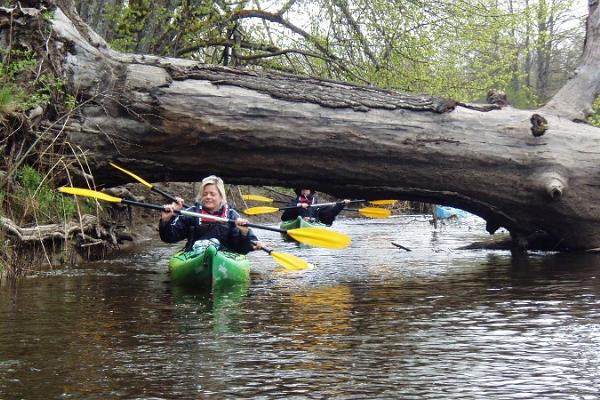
[(289, 261), (260, 210), (374, 212), (320, 237), (383, 202), (256, 197), (89, 193)]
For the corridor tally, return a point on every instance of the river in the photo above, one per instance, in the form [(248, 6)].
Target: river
[(371, 321)]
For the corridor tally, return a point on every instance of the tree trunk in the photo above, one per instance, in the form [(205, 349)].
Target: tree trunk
[(177, 120)]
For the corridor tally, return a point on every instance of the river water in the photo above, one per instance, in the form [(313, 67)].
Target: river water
[(371, 321)]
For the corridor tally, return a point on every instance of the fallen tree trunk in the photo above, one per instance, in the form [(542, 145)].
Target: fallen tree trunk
[(178, 120)]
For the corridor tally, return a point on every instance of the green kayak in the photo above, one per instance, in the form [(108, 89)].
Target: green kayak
[(209, 267), (300, 223)]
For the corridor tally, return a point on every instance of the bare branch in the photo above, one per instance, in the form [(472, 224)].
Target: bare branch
[(244, 14), (363, 41)]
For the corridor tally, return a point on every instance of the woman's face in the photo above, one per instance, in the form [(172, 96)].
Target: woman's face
[(211, 198), (305, 192)]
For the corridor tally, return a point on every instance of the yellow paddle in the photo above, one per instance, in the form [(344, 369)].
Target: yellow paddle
[(383, 202), (287, 261), (145, 183), (371, 212), (319, 237), (256, 197)]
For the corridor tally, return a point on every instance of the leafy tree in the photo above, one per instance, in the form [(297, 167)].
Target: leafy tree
[(457, 49)]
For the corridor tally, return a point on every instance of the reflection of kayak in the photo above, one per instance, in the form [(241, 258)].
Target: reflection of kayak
[(221, 304), (443, 212), (209, 267), (300, 223)]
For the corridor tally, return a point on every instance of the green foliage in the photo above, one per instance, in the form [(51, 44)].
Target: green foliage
[(35, 197), (16, 62), (47, 15), (139, 26), (9, 101), (70, 102), (29, 178), (594, 119), (21, 88), (47, 87), (454, 49)]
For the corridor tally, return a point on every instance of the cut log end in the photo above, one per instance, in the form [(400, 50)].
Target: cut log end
[(554, 188), (552, 184)]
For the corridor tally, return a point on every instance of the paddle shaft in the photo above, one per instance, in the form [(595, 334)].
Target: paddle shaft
[(321, 204), (265, 249), (199, 215), (147, 184), (167, 195)]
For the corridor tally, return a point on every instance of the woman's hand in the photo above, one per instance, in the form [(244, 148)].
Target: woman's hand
[(258, 245), (242, 225), (171, 209)]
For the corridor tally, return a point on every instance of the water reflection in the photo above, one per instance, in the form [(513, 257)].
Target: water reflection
[(222, 305), (369, 322)]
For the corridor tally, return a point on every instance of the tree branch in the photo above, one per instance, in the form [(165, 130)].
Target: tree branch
[(575, 99), (361, 38), (276, 18)]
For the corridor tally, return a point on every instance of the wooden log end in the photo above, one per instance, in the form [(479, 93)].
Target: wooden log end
[(554, 189)]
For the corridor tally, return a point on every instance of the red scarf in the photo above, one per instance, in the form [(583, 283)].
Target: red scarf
[(304, 199), (222, 212)]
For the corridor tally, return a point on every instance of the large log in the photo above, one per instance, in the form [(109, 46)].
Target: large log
[(178, 120)]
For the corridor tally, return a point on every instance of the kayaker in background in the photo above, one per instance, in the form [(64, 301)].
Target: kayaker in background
[(211, 200), (303, 200)]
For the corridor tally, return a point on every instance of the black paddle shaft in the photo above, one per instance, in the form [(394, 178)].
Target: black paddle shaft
[(167, 195), (322, 204)]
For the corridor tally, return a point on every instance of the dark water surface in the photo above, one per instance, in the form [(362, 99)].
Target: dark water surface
[(368, 322)]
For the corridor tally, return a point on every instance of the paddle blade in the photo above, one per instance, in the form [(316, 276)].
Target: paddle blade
[(383, 202), (134, 176), (289, 261), (374, 212), (260, 210), (256, 197), (89, 193), (320, 237)]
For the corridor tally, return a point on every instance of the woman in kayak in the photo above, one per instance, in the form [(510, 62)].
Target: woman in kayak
[(305, 198), (211, 200)]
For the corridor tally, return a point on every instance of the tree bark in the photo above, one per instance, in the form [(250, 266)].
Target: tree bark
[(178, 120), (50, 231)]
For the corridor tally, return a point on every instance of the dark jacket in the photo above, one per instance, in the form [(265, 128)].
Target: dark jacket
[(185, 227), (325, 215)]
